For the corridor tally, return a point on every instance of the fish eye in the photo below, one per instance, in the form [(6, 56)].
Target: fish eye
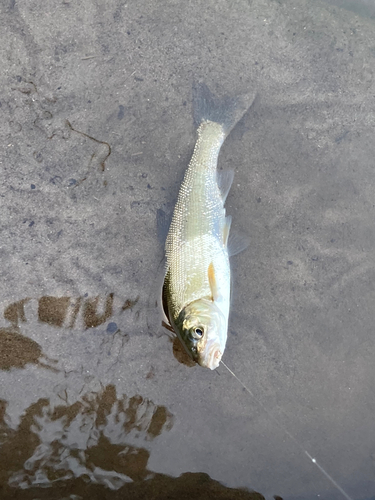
[(197, 332)]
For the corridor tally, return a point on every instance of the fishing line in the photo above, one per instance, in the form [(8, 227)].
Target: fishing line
[(313, 460)]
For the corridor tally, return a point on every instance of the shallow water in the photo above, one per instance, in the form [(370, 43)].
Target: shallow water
[(97, 398)]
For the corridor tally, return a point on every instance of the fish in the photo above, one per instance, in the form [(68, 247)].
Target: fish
[(197, 284)]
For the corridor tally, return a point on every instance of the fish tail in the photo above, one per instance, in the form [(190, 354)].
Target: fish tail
[(226, 111)]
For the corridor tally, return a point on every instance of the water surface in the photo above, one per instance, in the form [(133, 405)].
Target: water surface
[(96, 400)]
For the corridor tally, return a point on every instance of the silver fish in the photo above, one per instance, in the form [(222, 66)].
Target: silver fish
[(196, 290)]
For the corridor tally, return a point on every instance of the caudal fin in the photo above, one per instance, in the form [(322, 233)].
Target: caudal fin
[(227, 111)]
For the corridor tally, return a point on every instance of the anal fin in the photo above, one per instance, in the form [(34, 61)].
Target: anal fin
[(224, 179)]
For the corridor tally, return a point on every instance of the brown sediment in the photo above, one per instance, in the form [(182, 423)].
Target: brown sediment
[(17, 350), (90, 315)]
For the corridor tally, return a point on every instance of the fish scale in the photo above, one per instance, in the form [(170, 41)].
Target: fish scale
[(196, 291), (199, 217)]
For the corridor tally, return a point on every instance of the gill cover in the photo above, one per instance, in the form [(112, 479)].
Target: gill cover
[(202, 327)]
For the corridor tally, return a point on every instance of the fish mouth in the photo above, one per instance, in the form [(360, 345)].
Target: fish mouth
[(211, 356)]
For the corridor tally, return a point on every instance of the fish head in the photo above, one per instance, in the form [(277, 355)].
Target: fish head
[(202, 329)]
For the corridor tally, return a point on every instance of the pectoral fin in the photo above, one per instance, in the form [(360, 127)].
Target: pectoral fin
[(164, 296), (212, 281)]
